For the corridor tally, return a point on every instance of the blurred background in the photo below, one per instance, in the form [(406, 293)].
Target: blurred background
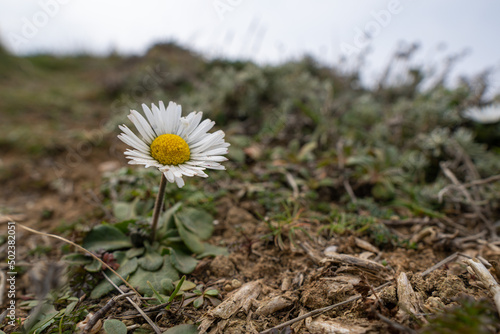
[(265, 32)]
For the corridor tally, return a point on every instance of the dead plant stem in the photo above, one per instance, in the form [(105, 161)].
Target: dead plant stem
[(137, 307)]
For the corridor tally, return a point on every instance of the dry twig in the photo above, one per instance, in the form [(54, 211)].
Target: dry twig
[(468, 197), (137, 307), (367, 265), (395, 325), (102, 312), (487, 279)]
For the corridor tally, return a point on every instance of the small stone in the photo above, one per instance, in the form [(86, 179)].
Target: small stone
[(235, 284), (330, 250)]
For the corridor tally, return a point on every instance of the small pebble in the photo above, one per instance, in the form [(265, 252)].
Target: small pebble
[(235, 284), (330, 250)]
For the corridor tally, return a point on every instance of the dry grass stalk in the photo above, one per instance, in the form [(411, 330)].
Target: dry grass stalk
[(355, 261)]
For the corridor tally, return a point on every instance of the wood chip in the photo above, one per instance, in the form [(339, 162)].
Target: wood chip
[(487, 279), (242, 298), (325, 325), (427, 234), (366, 245), (276, 304), (409, 305)]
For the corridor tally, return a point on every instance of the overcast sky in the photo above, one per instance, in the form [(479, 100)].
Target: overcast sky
[(263, 31)]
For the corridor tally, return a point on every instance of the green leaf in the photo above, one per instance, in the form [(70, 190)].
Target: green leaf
[(176, 290), (198, 302), (105, 237), (186, 285), (166, 223), (94, 266), (123, 225), (151, 261), (191, 240), (156, 294), (44, 318), (127, 267), (70, 308), (182, 261), (141, 276), (212, 292), (113, 326), (135, 252), (182, 329), (124, 210), (167, 285), (77, 259), (197, 221), (211, 250)]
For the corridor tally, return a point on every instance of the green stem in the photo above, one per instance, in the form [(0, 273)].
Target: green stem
[(158, 206)]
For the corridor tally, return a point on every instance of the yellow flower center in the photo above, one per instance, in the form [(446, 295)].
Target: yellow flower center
[(170, 149)]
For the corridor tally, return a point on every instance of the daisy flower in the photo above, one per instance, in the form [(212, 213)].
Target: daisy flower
[(486, 115), (178, 146)]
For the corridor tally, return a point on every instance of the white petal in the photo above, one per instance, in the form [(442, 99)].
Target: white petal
[(217, 158), (208, 140), (149, 115), (142, 126), (161, 106), (194, 121), (183, 125), (128, 137), (179, 181), (138, 154), (171, 118), (217, 151), (139, 161), (218, 167), (202, 174), (186, 171), (159, 117), (176, 171), (203, 151), (206, 164), (152, 119), (169, 175), (202, 129)]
